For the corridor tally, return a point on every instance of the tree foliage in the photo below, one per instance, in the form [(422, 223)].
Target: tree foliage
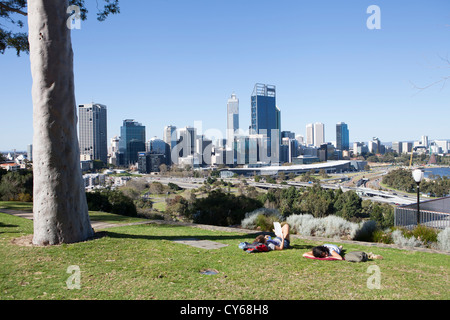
[(401, 179), (13, 12), (113, 201), (16, 185)]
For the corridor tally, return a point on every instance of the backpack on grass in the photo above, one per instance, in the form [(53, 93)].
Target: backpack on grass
[(356, 256), (253, 247)]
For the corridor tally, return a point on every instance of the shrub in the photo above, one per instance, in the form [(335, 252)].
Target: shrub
[(366, 230), (174, 187), (112, 201), (222, 209), (443, 239), (262, 217), (400, 239), (25, 197), (382, 236), (329, 227), (425, 234)]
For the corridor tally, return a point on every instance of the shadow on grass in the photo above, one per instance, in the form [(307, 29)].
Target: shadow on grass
[(117, 235), (218, 238), (2, 225)]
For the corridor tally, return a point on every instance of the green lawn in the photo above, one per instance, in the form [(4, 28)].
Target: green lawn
[(142, 262)]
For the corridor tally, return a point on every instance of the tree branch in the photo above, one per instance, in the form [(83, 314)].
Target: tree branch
[(11, 9)]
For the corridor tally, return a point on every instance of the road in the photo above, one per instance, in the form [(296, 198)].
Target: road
[(364, 193)]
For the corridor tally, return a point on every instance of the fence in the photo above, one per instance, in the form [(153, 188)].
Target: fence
[(407, 217)]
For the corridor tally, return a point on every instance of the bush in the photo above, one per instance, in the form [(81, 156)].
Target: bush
[(174, 187), (329, 227), (381, 236), (223, 209), (425, 234), (15, 185), (443, 239), (112, 201), (400, 239), (262, 217), (365, 231)]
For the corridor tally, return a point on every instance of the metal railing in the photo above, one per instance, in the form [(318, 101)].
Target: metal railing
[(407, 217)]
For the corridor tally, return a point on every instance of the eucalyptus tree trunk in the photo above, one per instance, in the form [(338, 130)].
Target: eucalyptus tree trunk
[(59, 199)]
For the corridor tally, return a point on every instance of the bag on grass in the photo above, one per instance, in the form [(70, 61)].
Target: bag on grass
[(253, 247), (356, 256)]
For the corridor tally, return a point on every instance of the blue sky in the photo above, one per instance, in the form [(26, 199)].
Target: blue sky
[(177, 62)]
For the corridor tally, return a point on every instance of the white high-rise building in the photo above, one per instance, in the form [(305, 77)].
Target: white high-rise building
[(309, 134), (92, 131), (113, 150), (188, 135), (170, 136), (232, 120), (319, 134), (424, 141)]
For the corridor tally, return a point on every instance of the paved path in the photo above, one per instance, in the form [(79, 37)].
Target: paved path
[(98, 225)]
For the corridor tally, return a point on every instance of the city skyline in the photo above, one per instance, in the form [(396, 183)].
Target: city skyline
[(185, 60)]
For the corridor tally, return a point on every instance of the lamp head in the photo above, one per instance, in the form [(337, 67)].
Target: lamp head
[(417, 175)]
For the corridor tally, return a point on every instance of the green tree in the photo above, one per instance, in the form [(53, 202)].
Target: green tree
[(16, 185), (348, 205)]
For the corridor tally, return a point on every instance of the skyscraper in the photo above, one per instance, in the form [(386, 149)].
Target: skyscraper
[(132, 140), (342, 136), (170, 136), (265, 115), (188, 136), (92, 131), (319, 134), (232, 120), (309, 134)]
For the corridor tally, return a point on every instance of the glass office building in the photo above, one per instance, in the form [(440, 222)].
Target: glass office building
[(265, 115), (342, 136), (132, 141)]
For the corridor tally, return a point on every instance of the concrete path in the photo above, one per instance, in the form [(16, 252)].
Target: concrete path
[(97, 225)]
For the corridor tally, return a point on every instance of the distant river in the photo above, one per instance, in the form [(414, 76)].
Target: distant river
[(437, 171)]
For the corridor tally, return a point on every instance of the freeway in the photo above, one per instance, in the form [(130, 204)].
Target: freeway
[(364, 193)]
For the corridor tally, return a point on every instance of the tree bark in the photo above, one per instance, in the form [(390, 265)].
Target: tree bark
[(59, 199)]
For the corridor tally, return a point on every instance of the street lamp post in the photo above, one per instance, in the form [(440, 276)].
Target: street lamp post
[(418, 176)]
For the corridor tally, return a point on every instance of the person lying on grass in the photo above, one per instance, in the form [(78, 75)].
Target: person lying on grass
[(277, 243), (327, 250)]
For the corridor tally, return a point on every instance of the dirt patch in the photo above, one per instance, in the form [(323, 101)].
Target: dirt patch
[(26, 241)]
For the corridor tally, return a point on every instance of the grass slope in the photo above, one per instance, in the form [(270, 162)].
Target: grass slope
[(142, 262)]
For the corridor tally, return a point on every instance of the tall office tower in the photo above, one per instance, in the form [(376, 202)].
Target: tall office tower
[(30, 152), (132, 141), (113, 153), (156, 146), (170, 136), (265, 115), (375, 145), (300, 140), (232, 120), (397, 147), (188, 135), (309, 134), (406, 147), (319, 134), (92, 131), (424, 141), (342, 136)]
